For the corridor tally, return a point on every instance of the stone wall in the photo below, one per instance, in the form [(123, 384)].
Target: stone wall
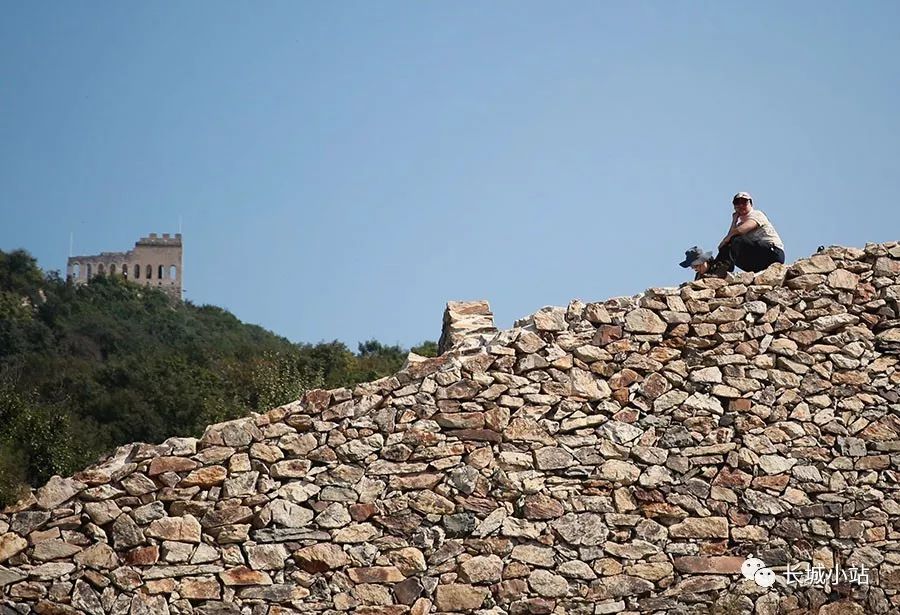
[(614, 457)]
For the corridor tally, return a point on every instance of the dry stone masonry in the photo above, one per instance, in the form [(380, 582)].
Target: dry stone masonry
[(616, 457)]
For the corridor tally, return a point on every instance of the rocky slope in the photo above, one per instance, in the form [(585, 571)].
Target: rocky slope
[(615, 457)]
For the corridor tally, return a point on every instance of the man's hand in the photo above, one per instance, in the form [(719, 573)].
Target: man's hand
[(734, 219), (725, 240)]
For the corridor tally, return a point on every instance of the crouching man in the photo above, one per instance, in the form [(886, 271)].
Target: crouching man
[(752, 243)]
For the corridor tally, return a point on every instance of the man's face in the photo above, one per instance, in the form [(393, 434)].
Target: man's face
[(700, 267), (742, 207)]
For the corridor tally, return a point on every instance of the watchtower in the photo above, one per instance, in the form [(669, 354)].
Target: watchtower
[(154, 261)]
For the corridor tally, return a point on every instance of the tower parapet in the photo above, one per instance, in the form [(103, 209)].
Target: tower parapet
[(154, 240)]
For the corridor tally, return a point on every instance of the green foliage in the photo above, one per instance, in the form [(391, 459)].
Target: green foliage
[(426, 349), (19, 273), (38, 440), (13, 306), (12, 474), (278, 377), (86, 368)]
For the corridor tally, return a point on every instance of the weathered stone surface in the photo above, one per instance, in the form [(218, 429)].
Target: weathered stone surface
[(459, 597), (99, 555), (534, 555), (635, 549), (24, 523), (540, 506), (621, 472), (409, 560), (586, 385), (553, 458), (138, 484), (205, 477), (10, 576), (267, 557), (623, 585), (431, 502), (11, 544), (56, 491), (707, 527), (844, 607), (481, 569), (86, 599), (288, 514), (550, 319), (126, 533), (408, 591), (587, 529), (53, 549), (143, 604), (244, 576), (461, 420), (200, 588), (375, 574), (52, 570), (775, 464), (321, 557), (643, 320), (291, 468), (181, 529), (161, 465), (709, 564), (334, 516), (361, 532), (547, 584)]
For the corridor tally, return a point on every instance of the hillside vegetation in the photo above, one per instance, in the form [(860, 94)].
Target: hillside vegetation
[(84, 369)]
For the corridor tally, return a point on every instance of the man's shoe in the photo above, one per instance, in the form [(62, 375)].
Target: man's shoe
[(718, 269)]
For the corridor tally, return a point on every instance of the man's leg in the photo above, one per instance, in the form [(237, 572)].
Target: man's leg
[(723, 262), (753, 256), (766, 255)]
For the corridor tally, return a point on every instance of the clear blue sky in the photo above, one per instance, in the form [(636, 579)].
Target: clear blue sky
[(342, 169)]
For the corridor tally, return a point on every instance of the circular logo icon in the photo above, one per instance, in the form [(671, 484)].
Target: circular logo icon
[(756, 570), (750, 566), (764, 577)]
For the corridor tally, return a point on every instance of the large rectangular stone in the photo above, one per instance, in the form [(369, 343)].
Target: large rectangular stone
[(716, 564)]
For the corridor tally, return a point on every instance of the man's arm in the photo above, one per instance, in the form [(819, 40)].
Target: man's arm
[(738, 229)]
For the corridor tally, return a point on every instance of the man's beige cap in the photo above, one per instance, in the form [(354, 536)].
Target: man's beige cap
[(742, 195)]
